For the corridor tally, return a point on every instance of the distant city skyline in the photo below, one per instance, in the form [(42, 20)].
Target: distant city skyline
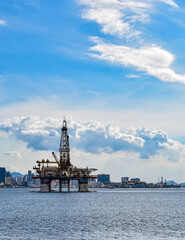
[(17, 179), (115, 69)]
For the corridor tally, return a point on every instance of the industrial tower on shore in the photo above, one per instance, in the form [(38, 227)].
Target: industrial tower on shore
[(62, 170)]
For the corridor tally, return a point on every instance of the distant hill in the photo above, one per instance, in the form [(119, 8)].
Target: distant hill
[(171, 182), (17, 174), (183, 184)]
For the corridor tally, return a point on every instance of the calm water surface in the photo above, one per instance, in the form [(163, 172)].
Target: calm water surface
[(106, 214)]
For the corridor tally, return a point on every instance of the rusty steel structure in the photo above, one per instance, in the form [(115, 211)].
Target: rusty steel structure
[(62, 169)]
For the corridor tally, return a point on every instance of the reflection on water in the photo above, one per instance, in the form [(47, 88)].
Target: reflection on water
[(128, 214)]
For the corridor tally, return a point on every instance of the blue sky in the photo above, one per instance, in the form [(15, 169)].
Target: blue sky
[(45, 46), (107, 61)]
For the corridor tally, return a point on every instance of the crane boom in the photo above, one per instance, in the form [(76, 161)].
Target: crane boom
[(55, 157)]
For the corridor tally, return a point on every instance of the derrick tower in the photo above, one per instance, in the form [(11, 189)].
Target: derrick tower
[(64, 147)]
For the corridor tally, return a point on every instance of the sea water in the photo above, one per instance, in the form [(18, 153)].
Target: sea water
[(138, 214)]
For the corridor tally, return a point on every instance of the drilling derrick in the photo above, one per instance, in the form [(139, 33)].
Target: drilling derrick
[(64, 147), (62, 170)]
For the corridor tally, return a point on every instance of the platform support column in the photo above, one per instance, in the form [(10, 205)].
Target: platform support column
[(49, 185), (68, 185), (45, 185), (60, 185), (83, 185)]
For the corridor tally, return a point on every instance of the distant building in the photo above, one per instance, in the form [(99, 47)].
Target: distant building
[(104, 178), (92, 180), (124, 180), (8, 174), (29, 178), (2, 175), (19, 180), (135, 179), (93, 184)]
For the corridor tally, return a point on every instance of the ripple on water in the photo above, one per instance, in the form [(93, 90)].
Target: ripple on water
[(106, 214)]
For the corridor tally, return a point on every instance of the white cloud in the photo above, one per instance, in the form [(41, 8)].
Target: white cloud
[(119, 17), (170, 2), (132, 76), (13, 154), (153, 60), (2, 22), (92, 136), (168, 117)]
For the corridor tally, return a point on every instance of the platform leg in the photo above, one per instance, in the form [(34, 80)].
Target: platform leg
[(45, 185), (60, 186), (83, 185), (68, 183)]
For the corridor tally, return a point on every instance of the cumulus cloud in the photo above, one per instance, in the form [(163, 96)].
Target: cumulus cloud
[(2, 22), (153, 60), (13, 154), (39, 134), (92, 136)]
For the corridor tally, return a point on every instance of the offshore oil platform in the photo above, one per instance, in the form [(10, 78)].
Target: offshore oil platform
[(62, 170)]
